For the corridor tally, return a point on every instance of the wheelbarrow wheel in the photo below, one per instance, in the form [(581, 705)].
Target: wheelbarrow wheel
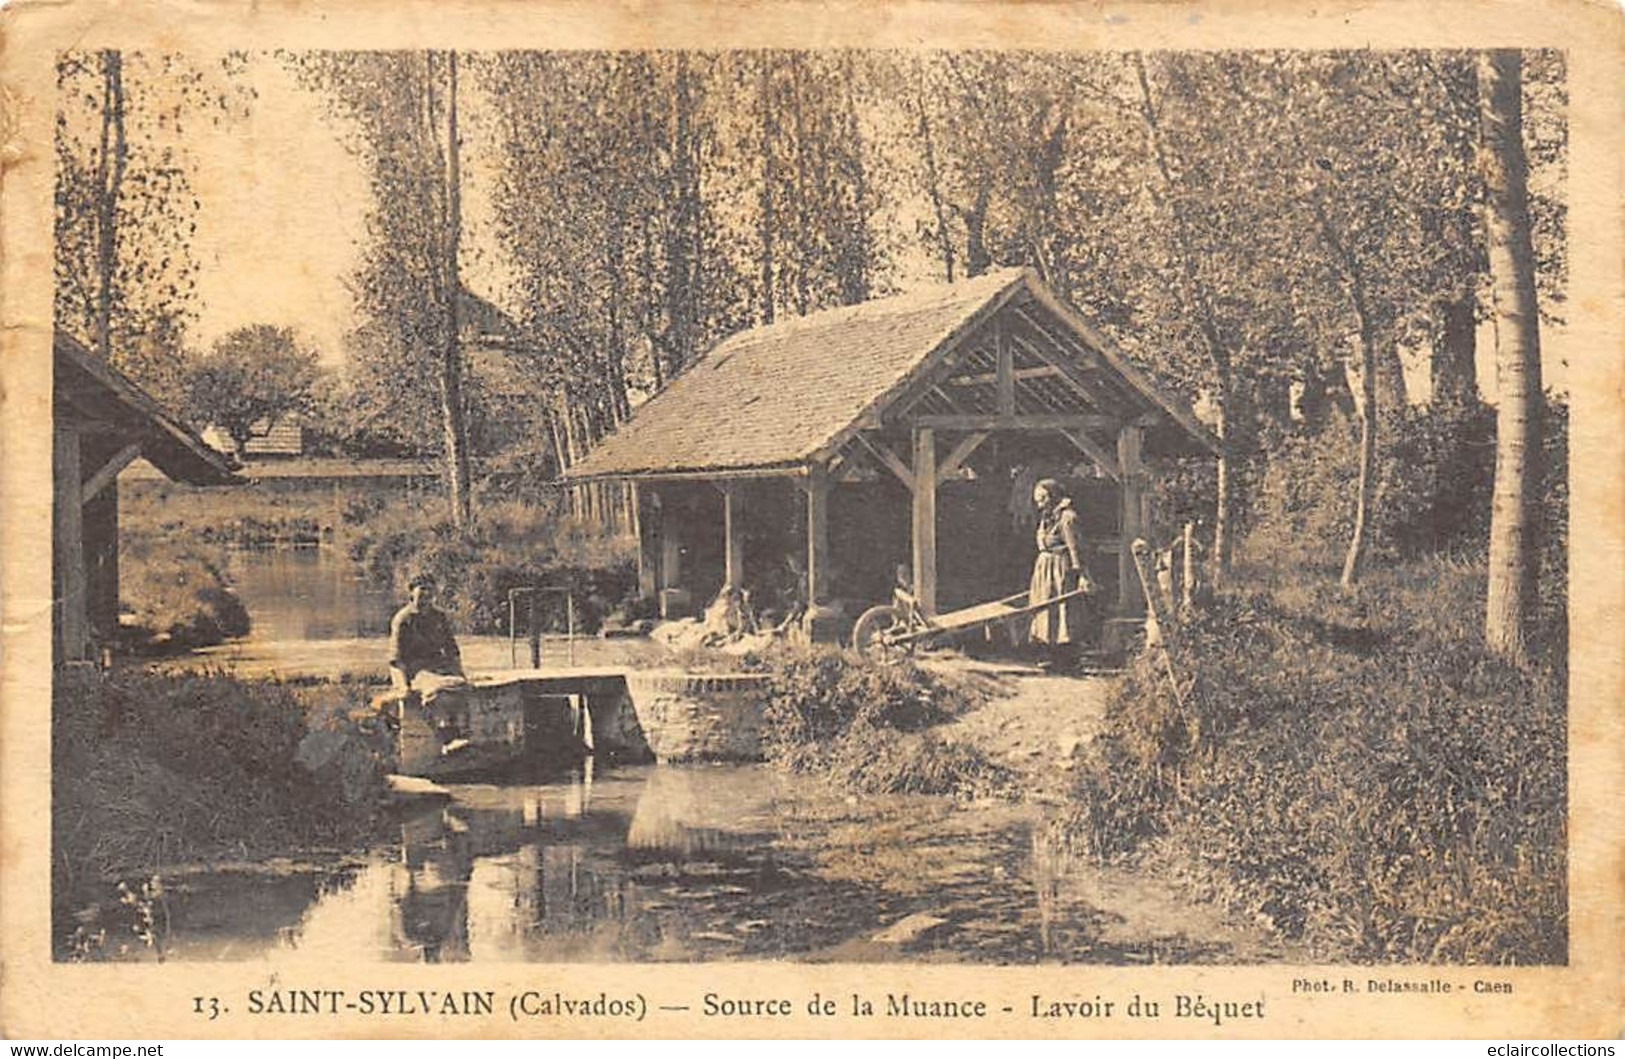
[(869, 634)]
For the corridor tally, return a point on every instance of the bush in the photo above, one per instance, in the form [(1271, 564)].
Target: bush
[(1356, 772), (1434, 469), (512, 544), (865, 725), (177, 593)]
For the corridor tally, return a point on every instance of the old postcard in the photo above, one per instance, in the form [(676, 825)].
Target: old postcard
[(811, 519)]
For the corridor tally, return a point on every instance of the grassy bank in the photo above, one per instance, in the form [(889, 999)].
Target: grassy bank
[(174, 595), (866, 725), (153, 771), (1354, 771)]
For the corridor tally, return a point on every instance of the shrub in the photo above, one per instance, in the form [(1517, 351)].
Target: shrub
[(1356, 772), (512, 544), (1433, 476), (865, 724)]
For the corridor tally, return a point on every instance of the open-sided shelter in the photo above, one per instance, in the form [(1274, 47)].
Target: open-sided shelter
[(888, 418), (102, 422)]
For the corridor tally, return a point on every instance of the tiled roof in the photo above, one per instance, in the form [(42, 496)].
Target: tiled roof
[(774, 395), (83, 380), (779, 395)]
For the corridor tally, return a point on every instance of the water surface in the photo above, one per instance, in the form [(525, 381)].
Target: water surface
[(664, 863)]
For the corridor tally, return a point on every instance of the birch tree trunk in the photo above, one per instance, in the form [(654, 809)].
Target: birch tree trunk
[(1514, 511), (1368, 437)]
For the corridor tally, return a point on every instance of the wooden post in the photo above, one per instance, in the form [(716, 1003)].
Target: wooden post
[(67, 514), (99, 534), (925, 519), (817, 535), (646, 524), (733, 536), (1130, 441), (1006, 375), (671, 551)]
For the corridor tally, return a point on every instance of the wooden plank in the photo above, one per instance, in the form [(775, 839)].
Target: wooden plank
[(988, 378), (1096, 452), (958, 455), (108, 472), (67, 513), (1130, 444), (888, 459), (817, 536), (1076, 378), (925, 520), (1006, 370), (1044, 421)]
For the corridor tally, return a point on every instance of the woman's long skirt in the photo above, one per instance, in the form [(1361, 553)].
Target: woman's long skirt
[(1063, 623)]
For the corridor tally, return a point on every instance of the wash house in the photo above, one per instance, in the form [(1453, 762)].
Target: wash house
[(101, 423), (905, 432)]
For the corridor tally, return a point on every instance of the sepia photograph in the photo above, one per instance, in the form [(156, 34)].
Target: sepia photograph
[(918, 509), (813, 505)]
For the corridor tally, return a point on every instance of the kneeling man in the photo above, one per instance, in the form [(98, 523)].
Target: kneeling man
[(424, 661)]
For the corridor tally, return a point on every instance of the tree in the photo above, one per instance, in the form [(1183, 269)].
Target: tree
[(250, 375), (125, 207), (403, 111), (1515, 509)]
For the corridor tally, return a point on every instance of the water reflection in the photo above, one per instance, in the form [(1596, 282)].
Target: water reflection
[(308, 594), (693, 863)]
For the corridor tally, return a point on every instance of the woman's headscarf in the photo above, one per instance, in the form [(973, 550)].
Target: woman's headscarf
[(1053, 487)]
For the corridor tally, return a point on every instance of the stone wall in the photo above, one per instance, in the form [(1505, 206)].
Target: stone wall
[(699, 717)]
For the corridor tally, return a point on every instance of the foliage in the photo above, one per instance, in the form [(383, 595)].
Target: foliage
[(1433, 477), (513, 544), (156, 514), (865, 724), (176, 594), (255, 373), (406, 362), (1358, 773), (125, 206), (152, 770)]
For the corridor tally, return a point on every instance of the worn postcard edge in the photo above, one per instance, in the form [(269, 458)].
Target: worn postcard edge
[(39, 998)]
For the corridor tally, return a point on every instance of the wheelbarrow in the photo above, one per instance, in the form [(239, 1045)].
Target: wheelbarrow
[(902, 625)]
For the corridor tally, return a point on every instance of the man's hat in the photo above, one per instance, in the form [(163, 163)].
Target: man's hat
[(421, 580)]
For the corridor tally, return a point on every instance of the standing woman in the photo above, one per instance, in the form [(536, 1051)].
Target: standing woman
[(1058, 569)]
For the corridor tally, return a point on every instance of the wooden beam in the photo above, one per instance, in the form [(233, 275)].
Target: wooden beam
[(988, 378), (950, 464), (1118, 361), (1096, 452), (1006, 371), (1130, 443), (889, 459), (68, 552), (1076, 378), (733, 537), (925, 519), (1046, 421), (108, 472), (817, 536)]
